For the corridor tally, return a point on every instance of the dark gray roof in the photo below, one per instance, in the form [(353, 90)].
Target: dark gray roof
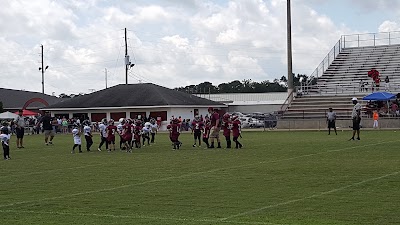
[(125, 95), (15, 99)]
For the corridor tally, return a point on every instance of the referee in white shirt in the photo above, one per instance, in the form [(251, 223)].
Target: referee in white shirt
[(331, 119), (356, 117), (20, 129)]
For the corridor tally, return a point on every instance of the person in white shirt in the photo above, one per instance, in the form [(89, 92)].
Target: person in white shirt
[(103, 134), (5, 141), (356, 117), (87, 131), (20, 129), (153, 129), (146, 133), (77, 138), (331, 119)]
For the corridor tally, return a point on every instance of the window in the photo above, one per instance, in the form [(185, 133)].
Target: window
[(134, 115), (162, 114), (97, 117), (117, 115)]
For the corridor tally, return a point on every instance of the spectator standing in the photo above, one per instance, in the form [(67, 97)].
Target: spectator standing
[(376, 118), (20, 129), (331, 119), (356, 118), (64, 124), (387, 85)]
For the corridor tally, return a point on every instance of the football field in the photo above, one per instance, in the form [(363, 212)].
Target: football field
[(278, 177)]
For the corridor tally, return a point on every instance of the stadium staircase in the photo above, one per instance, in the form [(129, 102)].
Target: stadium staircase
[(342, 72)]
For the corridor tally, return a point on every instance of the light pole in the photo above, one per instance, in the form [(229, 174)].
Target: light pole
[(43, 69), (289, 51)]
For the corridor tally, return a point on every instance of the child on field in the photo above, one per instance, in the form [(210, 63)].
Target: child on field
[(376, 117), (77, 139), (5, 142)]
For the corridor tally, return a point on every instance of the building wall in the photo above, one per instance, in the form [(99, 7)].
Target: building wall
[(254, 108), (185, 113)]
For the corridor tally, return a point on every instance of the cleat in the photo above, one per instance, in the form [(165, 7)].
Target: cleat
[(99, 149), (358, 138), (351, 139), (194, 146)]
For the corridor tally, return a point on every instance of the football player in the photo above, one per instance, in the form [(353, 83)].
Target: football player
[(153, 129), (236, 130), (197, 127), (76, 133), (103, 134), (87, 131), (215, 127), (127, 135), (206, 133), (120, 130), (174, 132), (137, 133), (5, 141), (146, 133), (226, 128), (111, 130)]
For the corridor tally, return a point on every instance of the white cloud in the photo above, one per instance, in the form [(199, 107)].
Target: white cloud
[(173, 43)]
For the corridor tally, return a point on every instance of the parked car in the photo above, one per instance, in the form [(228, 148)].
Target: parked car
[(249, 122)]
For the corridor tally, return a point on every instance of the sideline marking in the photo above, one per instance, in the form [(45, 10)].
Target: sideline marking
[(311, 196), (54, 170), (186, 175), (135, 217)]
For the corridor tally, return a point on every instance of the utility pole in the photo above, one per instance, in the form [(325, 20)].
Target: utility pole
[(126, 59), (43, 69), (289, 51), (105, 70)]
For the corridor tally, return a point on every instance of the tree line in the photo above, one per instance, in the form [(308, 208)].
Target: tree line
[(245, 86)]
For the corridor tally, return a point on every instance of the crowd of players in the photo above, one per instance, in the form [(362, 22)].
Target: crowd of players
[(134, 133)]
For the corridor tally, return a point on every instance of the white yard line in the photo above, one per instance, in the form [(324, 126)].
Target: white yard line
[(185, 175), (133, 217), (50, 171), (311, 196)]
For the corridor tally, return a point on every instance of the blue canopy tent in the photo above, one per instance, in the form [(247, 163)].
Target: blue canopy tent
[(380, 96)]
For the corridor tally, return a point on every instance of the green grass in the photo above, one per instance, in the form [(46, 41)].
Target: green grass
[(278, 178)]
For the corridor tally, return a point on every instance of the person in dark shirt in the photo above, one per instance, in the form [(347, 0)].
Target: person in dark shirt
[(46, 122)]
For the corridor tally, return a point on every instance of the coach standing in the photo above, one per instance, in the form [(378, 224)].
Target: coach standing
[(46, 121), (20, 128), (356, 117)]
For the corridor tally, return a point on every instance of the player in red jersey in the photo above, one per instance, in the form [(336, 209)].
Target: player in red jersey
[(215, 127), (174, 132), (127, 134), (197, 127), (111, 130), (206, 133), (226, 128), (137, 132), (236, 125)]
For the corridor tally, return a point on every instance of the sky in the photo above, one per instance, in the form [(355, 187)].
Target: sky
[(173, 43)]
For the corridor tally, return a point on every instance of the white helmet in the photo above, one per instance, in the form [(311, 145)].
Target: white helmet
[(121, 120)]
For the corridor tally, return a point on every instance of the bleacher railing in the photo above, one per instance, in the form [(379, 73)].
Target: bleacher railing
[(350, 41), (370, 39), (326, 62)]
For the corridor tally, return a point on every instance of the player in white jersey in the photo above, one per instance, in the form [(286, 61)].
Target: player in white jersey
[(5, 142), (87, 131), (77, 139), (103, 134), (146, 133), (153, 129), (120, 129)]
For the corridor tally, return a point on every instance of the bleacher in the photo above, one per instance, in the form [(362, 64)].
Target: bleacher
[(342, 78)]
